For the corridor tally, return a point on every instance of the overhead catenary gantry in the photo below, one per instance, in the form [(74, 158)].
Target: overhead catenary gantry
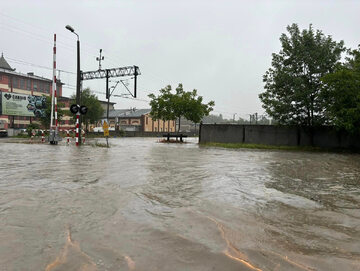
[(109, 73), (114, 72)]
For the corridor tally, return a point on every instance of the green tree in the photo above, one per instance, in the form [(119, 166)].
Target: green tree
[(293, 84), (172, 106), (342, 94), (45, 119), (95, 110)]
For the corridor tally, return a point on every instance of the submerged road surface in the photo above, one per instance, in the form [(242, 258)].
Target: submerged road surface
[(143, 205)]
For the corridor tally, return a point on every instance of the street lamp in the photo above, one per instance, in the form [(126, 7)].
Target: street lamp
[(71, 29)]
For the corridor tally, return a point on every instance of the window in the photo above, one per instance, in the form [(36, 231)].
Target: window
[(28, 84), (22, 83), (146, 120), (35, 86), (15, 82), (47, 88), (40, 86)]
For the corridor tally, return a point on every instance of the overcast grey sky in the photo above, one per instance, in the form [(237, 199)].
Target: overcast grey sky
[(221, 48)]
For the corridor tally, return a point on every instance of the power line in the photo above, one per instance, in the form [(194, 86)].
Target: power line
[(21, 62)]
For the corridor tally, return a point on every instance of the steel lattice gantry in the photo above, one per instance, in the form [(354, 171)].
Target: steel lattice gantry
[(114, 72), (107, 73)]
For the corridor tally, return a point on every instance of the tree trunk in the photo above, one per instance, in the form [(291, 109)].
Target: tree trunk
[(312, 111), (308, 117), (179, 125)]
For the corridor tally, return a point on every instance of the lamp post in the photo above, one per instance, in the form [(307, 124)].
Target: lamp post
[(68, 27)]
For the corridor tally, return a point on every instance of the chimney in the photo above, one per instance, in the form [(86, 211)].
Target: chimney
[(30, 73)]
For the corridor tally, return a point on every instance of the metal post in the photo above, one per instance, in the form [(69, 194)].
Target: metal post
[(135, 80), (53, 87), (108, 104), (78, 93), (67, 137), (107, 95)]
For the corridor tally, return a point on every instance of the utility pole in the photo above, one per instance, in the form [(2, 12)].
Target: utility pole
[(256, 118)]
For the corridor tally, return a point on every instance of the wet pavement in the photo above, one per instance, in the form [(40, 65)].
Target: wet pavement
[(144, 205)]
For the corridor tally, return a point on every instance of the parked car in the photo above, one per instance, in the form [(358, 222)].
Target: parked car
[(100, 129), (3, 133)]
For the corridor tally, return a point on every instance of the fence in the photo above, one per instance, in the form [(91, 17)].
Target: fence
[(325, 137)]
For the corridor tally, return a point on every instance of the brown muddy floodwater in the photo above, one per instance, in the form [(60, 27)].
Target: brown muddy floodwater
[(143, 205)]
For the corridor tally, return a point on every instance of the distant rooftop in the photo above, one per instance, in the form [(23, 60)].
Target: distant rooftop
[(135, 113), (4, 64), (127, 113), (6, 68), (115, 113)]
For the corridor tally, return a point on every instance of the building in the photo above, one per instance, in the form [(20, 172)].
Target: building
[(137, 120), (19, 87)]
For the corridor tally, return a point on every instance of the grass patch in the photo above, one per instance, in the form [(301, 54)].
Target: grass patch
[(100, 145), (21, 136), (101, 134), (270, 147)]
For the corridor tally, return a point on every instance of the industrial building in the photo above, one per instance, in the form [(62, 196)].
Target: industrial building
[(137, 120), (19, 96)]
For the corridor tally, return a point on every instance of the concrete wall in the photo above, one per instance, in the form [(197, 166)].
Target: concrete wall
[(326, 137), (152, 134)]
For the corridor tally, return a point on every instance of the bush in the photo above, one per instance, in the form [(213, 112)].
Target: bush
[(30, 127)]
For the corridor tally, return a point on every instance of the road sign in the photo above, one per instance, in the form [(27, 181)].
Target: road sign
[(106, 128), (105, 125)]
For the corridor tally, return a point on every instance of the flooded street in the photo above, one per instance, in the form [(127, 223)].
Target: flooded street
[(143, 205)]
